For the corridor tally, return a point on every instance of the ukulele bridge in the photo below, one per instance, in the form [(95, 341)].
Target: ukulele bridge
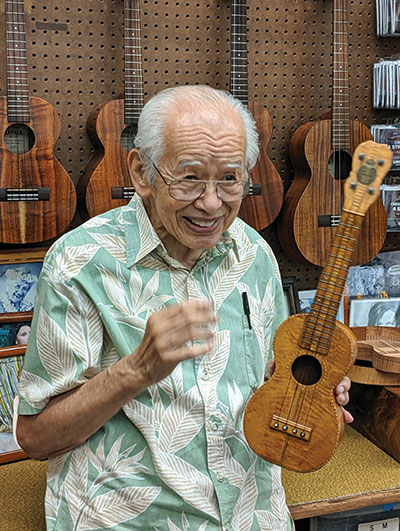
[(290, 428), (25, 194)]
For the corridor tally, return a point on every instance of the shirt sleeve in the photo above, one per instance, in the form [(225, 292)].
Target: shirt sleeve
[(66, 340)]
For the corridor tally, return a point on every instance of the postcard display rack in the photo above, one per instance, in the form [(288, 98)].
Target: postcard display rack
[(75, 61)]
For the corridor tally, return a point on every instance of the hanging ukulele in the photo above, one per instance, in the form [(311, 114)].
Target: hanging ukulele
[(321, 155), (37, 196), (258, 211), (112, 125), (293, 420)]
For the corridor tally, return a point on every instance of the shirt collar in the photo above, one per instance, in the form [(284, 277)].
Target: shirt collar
[(142, 239)]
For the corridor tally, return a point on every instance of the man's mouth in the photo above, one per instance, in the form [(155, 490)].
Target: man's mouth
[(202, 223)]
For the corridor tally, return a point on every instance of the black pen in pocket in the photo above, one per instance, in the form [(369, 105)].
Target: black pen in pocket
[(246, 308)]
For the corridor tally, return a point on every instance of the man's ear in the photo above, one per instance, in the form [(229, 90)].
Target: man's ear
[(137, 175)]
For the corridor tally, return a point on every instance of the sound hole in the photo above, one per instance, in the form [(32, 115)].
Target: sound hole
[(339, 164), (306, 370), (19, 138), (128, 137)]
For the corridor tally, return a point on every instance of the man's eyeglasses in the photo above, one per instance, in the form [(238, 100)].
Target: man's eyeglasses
[(192, 189)]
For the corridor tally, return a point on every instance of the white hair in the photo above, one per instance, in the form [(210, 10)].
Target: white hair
[(149, 139)]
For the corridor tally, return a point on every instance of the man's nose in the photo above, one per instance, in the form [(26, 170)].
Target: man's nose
[(209, 198)]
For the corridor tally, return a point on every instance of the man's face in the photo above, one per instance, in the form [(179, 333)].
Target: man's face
[(200, 144)]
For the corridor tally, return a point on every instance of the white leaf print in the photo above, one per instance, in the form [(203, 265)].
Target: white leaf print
[(69, 262), (191, 484), (96, 222), (179, 286), (172, 385), (217, 362), (243, 512), (181, 422), (115, 245), (114, 290), (34, 389), (268, 522), (172, 526), (50, 340), (115, 507), (278, 500), (233, 470), (75, 481), (135, 285), (235, 401), (225, 284), (84, 335)]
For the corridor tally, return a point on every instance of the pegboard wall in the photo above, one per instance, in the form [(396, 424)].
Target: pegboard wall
[(75, 61)]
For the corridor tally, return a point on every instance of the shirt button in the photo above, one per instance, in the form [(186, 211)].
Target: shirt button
[(205, 375), (215, 426), (220, 477)]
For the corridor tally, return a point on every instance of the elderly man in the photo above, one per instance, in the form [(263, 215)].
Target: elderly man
[(142, 357)]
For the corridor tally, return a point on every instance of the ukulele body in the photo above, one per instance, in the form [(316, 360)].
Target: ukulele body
[(109, 165), (308, 408), (261, 211), (25, 221), (315, 193)]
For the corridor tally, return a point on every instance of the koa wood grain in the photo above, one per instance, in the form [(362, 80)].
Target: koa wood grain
[(259, 211), (293, 419), (321, 153), (37, 196), (112, 126)]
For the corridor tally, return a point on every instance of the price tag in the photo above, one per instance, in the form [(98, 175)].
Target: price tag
[(392, 524)]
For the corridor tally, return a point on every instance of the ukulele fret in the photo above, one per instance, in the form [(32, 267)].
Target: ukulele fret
[(25, 194)]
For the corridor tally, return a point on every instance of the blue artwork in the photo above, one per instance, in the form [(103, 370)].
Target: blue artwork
[(18, 286)]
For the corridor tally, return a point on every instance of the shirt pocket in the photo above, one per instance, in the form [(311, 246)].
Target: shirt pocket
[(254, 355)]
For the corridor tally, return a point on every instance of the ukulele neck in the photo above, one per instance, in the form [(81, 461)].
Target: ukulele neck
[(320, 322), (18, 104), (239, 69), (340, 83), (133, 87)]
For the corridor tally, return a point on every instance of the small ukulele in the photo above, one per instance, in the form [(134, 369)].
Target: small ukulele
[(321, 154), (293, 420), (37, 196), (258, 210), (112, 127)]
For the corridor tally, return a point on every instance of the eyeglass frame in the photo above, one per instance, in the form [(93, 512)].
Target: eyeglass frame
[(245, 184)]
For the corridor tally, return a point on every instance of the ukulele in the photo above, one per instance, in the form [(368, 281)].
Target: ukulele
[(321, 156), (112, 127), (37, 196), (293, 419), (257, 210)]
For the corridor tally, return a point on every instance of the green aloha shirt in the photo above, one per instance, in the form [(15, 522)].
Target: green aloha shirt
[(175, 457)]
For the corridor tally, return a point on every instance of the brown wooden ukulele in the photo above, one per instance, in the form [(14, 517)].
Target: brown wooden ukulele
[(112, 127), (259, 211), (293, 420), (37, 196), (321, 155)]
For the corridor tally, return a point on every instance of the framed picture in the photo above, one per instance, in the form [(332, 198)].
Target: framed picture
[(19, 274), (306, 299), (14, 329), (391, 199), (375, 312), (10, 365), (291, 296), (379, 277)]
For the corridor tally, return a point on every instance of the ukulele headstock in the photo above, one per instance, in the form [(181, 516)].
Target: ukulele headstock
[(371, 162)]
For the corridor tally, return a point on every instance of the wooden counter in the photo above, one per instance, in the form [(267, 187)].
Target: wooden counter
[(358, 475)]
